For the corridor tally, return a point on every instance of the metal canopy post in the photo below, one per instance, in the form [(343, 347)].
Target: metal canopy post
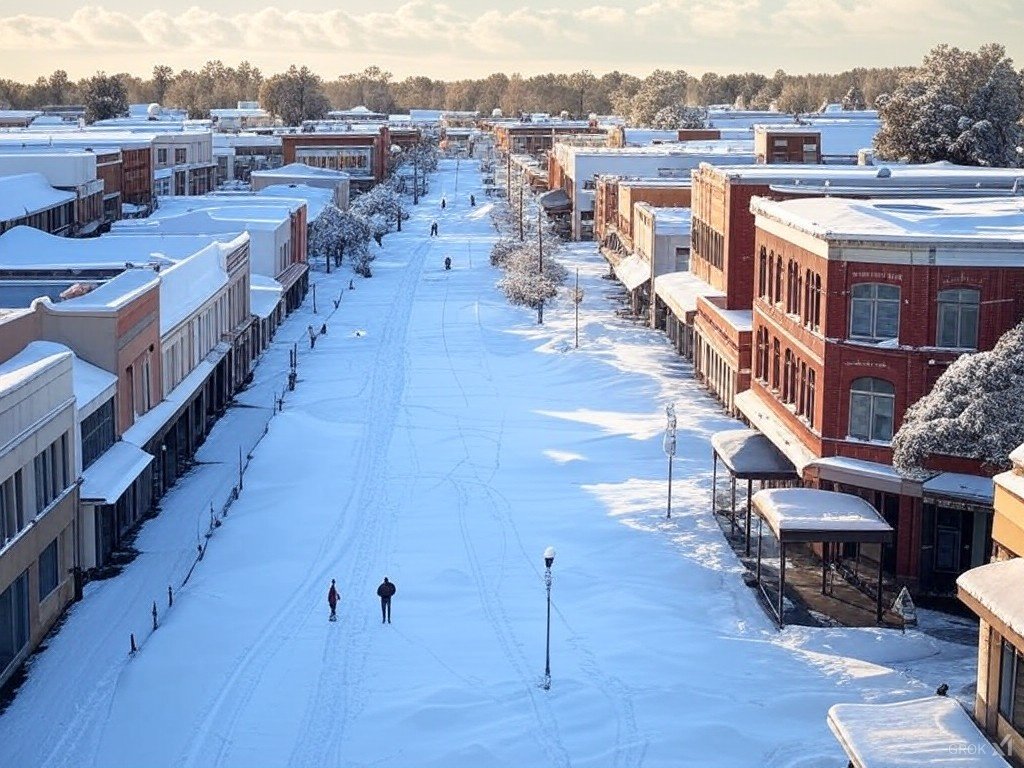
[(746, 526), (732, 505), (782, 581), (878, 597), (714, 480)]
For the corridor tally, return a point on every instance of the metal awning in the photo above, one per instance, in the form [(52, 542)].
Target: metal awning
[(965, 489), (633, 271), (749, 455), (813, 515), (931, 731), (679, 290), (555, 201), (109, 476)]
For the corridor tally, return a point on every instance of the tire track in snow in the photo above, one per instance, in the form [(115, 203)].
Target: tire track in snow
[(366, 534)]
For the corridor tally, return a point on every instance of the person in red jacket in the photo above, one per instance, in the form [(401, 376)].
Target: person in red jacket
[(332, 600), (385, 592)]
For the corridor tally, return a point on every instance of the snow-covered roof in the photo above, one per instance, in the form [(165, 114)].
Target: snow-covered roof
[(675, 182), (26, 248), (680, 291), (671, 221), (871, 474), (93, 386), (959, 486), (26, 193), (996, 587), (910, 734), (1017, 455), (740, 320), (749, 455), (72, 136), (638, 137), (201, 222), (709, 147), (264, 295), (113, 294), (35, 360), (316, 198), (948, 220), (225, 206), (293, 170), (633, 271), (109, 476), (245, 140), (1011, 482), (763, 418), (810, 514), (187, 285), (925, 175)]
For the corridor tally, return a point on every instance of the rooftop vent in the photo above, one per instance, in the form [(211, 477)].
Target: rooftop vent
[(884, 172)]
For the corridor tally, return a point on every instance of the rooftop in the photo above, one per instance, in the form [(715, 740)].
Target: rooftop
[(993, 220), (33, 361), (28, 249), (27, 193), (996, 588), (941, 174)]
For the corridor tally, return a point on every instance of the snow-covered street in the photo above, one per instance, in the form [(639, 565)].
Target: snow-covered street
[(442, 438)]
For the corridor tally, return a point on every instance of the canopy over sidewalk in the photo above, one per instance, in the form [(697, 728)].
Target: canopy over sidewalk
[(931, 731), (809, 515), (747, 455), (555, 201)]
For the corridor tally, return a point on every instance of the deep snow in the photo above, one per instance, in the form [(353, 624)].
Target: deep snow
[(442, 438)]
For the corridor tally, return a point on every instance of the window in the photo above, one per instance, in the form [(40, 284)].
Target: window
[(1011, 685), (778, 280), (958, 318), (762, 354), (180, 155), (874, 311), (97, 433), (801, 402), (775, 364), (872, 403), (13, 620), (810, 397), (815, 313), (682, 259), (49, 570), (44, 486), (787, 378), (161, 156), (762, 273)]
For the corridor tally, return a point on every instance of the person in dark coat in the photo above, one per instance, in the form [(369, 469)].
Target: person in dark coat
[(433, 229), (472, 199), (447, 262), (332, 600), (443, 203), (385, 592)]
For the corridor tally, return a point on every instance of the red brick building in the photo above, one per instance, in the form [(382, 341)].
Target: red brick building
[(859, 306), (722, 252), (360, 153)]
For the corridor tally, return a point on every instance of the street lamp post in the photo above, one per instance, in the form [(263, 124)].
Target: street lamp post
[(549, 559), (670, 449)]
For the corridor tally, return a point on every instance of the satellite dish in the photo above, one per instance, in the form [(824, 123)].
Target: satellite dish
[(884, 172), (153, 111)]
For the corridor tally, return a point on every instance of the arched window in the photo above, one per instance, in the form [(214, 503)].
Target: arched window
[(958, 318), (778, 279), (816, 301), (874, 311), (761, 359), (762, 272), (801, 402), (787, 378), (810, 396), (872, 405), (791, 272), (775, 364)]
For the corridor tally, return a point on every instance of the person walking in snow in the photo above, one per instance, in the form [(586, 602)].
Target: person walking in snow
[(472, 200), (447, 262), (332, 600), (444, 203), (385, 592), (433, 229)]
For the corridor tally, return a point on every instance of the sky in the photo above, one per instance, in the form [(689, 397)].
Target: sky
[(473, 38)]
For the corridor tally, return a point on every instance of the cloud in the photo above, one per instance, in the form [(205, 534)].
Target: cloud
[(456, 39)]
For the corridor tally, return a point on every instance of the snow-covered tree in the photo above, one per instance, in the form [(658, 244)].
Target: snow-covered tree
[(326, 234), (659, 89), (528, 280), (854, 99), (105, 97), (380, 207), (295, 95), (959, 106), (974, 409), (680, 116)]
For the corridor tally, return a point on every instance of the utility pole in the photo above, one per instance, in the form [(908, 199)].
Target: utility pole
[(415, 177), (508, 171), (540, 267)]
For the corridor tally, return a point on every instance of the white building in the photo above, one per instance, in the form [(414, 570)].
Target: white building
[(301, 174)]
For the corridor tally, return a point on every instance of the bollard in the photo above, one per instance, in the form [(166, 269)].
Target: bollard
[(134, 646), (170, 596), (154, 615)]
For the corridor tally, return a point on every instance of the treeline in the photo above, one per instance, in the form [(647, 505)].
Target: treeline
[(217, 85)]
